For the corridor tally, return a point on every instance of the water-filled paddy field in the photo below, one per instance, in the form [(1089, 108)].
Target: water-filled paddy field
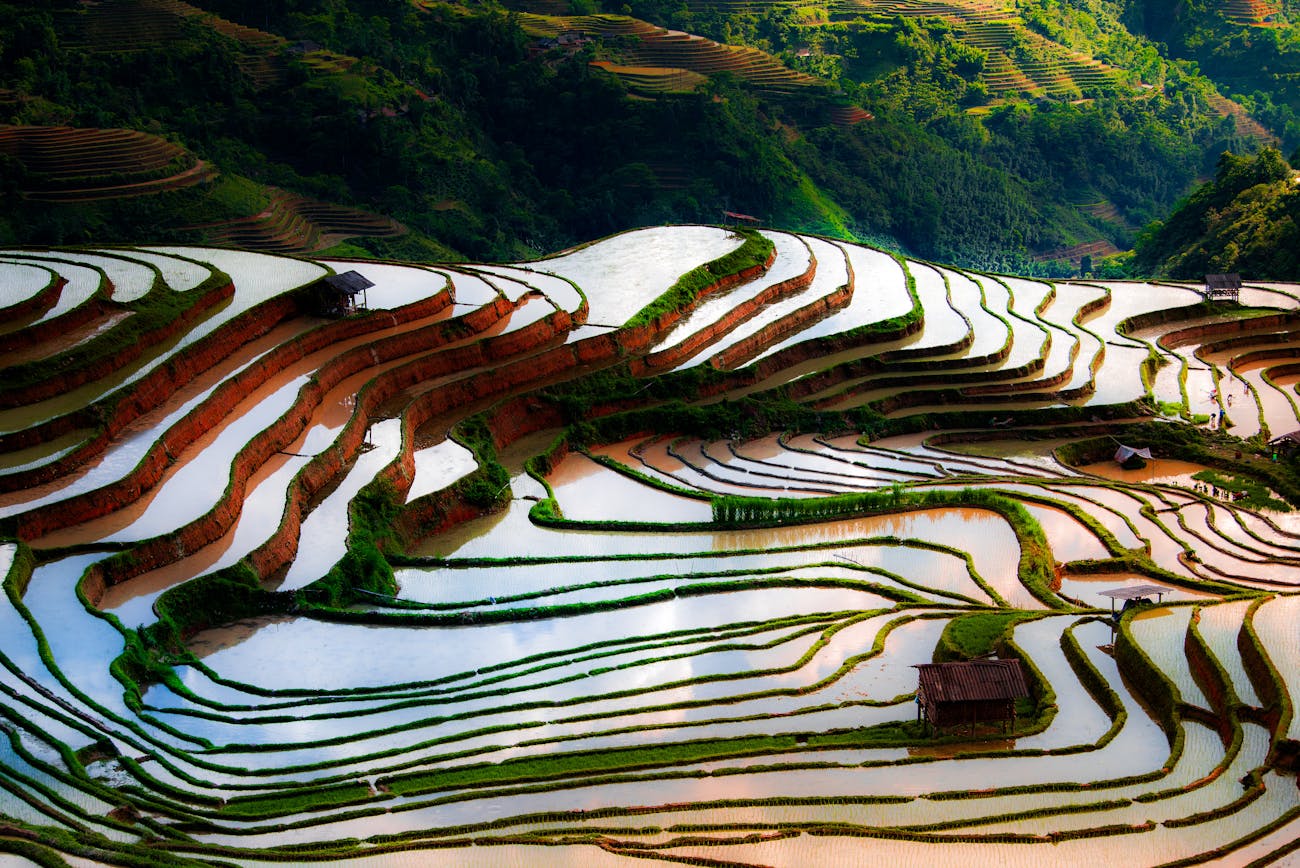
[(632, 553)]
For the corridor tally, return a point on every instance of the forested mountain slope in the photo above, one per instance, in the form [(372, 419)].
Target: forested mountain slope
[(995, 134), (1246, 220)]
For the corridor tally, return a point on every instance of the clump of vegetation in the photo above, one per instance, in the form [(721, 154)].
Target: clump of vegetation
[(1248, 492)]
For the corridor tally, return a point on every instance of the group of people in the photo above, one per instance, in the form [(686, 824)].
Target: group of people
[(1215, 491)]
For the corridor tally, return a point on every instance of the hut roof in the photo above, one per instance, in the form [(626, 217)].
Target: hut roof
[(972, 680), (1291, 438), (1124, 453), (1223, 281), (349, 282), (1135, 592)]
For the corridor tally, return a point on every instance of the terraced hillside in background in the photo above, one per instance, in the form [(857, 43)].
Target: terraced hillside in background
[(76, 166), (629, 553)]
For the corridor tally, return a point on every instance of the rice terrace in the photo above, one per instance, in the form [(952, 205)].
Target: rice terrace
[(633, 552)]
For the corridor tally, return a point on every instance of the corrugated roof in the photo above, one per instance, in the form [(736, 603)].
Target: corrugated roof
[(1134, 592), (972, 680), (1223, 281), (350, 282)]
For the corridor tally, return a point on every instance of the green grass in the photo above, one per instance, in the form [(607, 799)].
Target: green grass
[(1255, 494)]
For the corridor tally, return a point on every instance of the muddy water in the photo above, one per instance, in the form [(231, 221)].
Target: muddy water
[(1068, 538), (263, 509), (1087, 588), (792, 259), (201, 474), (831, 274), (623, 274), (587, 491), (879, 293), (1169, 471)]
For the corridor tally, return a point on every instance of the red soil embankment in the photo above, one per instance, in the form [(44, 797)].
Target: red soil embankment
[(447, 397), (1206, 332), (215, 408), (29, 308), (316, 474), (60, 382), (792, 323), (96, 307), (679, 353)]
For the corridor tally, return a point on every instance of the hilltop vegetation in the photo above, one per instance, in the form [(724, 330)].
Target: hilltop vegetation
[(1018, 139), (1247, 220)]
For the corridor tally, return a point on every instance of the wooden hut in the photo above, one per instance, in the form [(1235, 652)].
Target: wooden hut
[(1285, 445), (970, 692), (336, 295), (1222, 287)]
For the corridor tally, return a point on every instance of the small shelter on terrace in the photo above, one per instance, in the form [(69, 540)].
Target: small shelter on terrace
[(1222, 287), (1134, 595), (1124, 453), (1286, 444), (969, 692), (336, 294)]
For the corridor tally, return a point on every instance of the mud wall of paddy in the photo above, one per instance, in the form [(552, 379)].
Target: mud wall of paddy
[(29, 308), (445, 398), (979, 382), (507, 422), (1206, 332), (322, 469), (159, 385), (663, 322), (111, 416), (705, 337), (95, 307), (1212, 680), (806, 352), (790, 324), (64, 375)]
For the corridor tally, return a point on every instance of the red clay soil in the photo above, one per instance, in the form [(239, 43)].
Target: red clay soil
[(320, 472), (506, 365), (30, 308), (680, 353), (96, 307), (62, 381), (220, 403), (795, 321)]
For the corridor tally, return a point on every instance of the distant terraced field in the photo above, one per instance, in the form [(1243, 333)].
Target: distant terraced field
[(629, 553)]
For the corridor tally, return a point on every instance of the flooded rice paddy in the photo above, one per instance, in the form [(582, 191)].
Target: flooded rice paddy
[(335, 622)]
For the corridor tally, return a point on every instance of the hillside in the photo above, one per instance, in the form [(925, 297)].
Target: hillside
[(1246, 220), (972, 132), (632, 553)]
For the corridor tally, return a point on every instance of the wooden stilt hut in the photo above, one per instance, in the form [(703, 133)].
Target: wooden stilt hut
[(1222, 287), (336, 294), (970, 692)]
